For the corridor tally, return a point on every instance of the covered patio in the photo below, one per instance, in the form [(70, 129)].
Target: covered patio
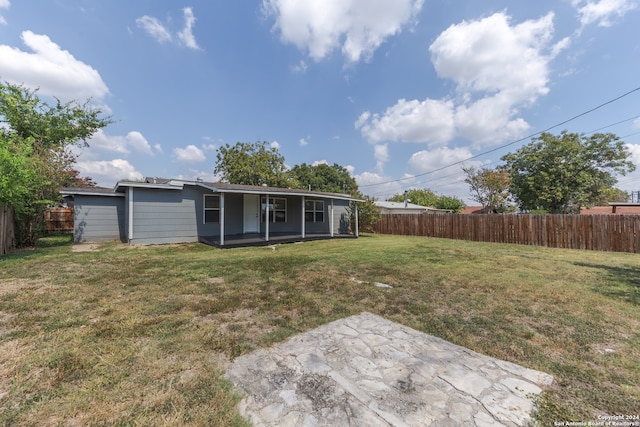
[(259, 239)]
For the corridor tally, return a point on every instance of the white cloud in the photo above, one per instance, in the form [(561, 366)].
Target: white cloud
[(429, 121), (319, 162), (358, 27), (381, 154), (377, 185), (634, 149), (303, 142), (186, 35), (603, 12), (430, 160), (108, 172), (4, 4), (134, 140), (162, 34), (275, 145), (497, 68), (53, 70), (189, 154), (154, 28), (300, 67)]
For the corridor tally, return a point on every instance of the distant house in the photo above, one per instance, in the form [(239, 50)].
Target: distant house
[(176, 211), (613, 208), (387, 208), (468, 210)]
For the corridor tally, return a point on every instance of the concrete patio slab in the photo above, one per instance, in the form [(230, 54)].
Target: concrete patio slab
[(368, 371)]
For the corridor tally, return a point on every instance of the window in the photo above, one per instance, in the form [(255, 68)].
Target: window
[(211, 208), (314, 211), (277, 209)]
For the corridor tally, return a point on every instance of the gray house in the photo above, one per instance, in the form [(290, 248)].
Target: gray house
[(226, 215)]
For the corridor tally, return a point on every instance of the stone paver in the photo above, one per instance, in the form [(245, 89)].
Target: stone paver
[(366, 370)]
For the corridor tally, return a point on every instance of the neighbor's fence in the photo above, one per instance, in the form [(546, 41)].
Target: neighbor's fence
[(616, 233), (59, 220), (7, 230)]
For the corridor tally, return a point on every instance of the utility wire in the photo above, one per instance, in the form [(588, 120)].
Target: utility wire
[(510, 143)]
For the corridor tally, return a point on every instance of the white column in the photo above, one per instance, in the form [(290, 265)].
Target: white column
[(331, 218), (221, 219), (303, 216), (266, 219), (130, 231), (356, 203)]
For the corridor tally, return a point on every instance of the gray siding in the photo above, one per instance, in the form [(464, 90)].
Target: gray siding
[(164, 216), (98, 219), (341, 217)]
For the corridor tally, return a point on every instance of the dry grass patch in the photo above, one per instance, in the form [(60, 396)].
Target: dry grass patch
[(140, 336)]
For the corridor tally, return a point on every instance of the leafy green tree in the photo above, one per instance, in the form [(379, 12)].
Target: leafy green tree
[(35, 156), (426, 197), (422, 197), (562, 173), (490, 188), (322, 177), (252, 164), (451, 203), (368, 213)]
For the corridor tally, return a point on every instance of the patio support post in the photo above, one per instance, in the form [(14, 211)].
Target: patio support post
[(266, 219), (130, 230), (331, 218), (221, 219), (356, 203), (303, 216)]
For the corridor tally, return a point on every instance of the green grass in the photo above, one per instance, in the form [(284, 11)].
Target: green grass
[(141, 335)]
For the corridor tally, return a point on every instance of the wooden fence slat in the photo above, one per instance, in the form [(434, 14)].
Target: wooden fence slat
[(619, 233)]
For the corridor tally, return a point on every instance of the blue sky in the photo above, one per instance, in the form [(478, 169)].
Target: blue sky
[(389, 89)]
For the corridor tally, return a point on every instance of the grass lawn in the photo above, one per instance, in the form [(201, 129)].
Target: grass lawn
[(140, 335)]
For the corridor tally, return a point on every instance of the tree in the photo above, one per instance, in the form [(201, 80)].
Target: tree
[(35, 156), (368, 213), (490, 188), (560, 174), (252, 164), (422, 197), (322, 177), (426, 197)]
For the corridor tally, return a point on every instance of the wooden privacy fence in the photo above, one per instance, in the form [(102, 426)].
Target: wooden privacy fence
[(7, 230), (616, 233), (59, 220)]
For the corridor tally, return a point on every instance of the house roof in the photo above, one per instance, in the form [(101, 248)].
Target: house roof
[(408, 207), (219, 187), (90, 191)]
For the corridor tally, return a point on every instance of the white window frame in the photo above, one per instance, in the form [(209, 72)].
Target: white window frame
[(272, 209), (205, 209), (315, 210)]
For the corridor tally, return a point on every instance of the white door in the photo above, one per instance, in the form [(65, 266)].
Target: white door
[(251, 213)]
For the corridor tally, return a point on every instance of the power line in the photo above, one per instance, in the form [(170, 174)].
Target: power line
[(510, 143)]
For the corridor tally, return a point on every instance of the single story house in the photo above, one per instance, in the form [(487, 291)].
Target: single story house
[(388, 208), (157, 211)]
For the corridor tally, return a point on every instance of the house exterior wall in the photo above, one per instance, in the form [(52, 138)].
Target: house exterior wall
[(98, 219), (165, 216), (341, 217)]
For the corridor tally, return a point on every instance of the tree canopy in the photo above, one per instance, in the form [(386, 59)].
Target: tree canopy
[(426, 197), (490, 188), (252, 164), (322, 177), (35, 156), (562, 173)]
